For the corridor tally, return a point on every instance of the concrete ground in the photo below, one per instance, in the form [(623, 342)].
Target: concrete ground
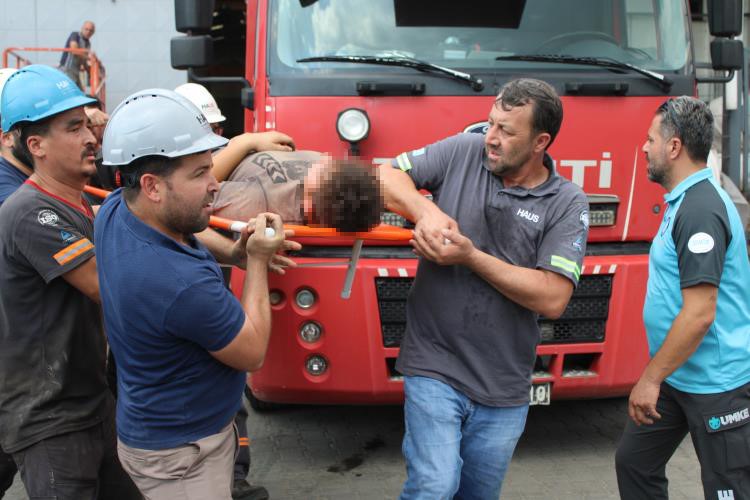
[(332, 453)]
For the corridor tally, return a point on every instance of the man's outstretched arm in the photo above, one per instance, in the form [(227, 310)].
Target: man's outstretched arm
[(226, 160)]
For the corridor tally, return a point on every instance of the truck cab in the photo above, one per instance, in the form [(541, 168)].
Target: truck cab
[(376, 78)]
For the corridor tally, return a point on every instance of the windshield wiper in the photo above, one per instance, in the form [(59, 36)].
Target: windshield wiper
[(406, 62), (605, 62)]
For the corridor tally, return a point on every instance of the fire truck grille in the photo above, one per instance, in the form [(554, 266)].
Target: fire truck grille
[(584, 320)]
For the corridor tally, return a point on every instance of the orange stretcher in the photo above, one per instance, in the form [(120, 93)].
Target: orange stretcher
[(382, 232)]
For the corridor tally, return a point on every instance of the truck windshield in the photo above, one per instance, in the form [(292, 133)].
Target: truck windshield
[(650, 34)]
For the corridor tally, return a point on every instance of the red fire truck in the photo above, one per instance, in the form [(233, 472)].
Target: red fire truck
[(376, 78)]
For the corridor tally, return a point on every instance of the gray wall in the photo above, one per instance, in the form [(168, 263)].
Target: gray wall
[(131, 39)]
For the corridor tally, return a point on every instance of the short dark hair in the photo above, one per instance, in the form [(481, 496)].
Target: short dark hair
[(690, 120), (547, 110), (349, 198), (24, 131), (130, 174)]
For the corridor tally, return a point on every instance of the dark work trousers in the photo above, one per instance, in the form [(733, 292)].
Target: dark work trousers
[(81, 465), (719, 427), (7, 472), (242, 462)]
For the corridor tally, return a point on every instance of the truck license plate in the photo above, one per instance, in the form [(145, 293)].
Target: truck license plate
[(540, 393)]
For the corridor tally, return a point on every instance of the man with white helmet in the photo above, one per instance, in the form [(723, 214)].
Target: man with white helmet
[(176, 332), (56, 411)]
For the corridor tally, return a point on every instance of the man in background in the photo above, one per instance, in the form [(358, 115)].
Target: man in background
[(72, 64)]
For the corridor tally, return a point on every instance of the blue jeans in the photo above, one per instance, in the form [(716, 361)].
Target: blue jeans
[(453, 446)]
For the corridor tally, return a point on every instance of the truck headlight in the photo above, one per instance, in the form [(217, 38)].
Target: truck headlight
[(305, 298), (353, 125), (275, 297), (316, 365), (602, 209), (603, 215), (310, 332)]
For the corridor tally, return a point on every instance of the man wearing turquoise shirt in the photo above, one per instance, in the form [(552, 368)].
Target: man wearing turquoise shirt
[(697, 317)]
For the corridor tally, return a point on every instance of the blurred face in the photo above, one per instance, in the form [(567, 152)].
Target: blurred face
[(68, 151), (88, 30), (655, 148), (313, 181), (189, 193), (509, 142)]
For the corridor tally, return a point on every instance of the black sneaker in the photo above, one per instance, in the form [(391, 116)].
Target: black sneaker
[(242, 490)]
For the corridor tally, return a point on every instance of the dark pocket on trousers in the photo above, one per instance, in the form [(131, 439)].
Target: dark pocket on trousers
[(728, 438)]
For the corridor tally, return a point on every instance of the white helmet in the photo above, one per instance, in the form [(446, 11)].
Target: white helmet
[(202, 98), (156, 122)]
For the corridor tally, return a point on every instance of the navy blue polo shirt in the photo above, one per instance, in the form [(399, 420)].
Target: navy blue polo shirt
[(165, 308), (10, 179), (701, 240)]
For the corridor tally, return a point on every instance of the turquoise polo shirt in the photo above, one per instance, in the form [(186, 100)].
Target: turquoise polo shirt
[(701, 240)]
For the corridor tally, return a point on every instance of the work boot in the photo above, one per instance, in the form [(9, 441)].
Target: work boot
[(242, 490)]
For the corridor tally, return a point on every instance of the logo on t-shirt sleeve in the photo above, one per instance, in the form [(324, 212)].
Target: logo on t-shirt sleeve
[(701, 243), (47, 217), (584, 218)]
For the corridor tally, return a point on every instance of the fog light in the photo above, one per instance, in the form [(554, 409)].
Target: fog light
[(603, 209), (316, 365), (548, 331), (602, 215), (310, 332), (275, 297), (353, 125), (305, 298)]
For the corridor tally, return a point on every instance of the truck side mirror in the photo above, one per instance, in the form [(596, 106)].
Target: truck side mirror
[(725, 18), (193, 15), (191, 51), (726, 55)]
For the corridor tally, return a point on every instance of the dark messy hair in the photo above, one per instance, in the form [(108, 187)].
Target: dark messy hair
[(130, 174), (691, 121), (349, 197), (547, 110)]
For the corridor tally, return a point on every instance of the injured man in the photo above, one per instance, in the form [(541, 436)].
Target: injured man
[(303, 187)]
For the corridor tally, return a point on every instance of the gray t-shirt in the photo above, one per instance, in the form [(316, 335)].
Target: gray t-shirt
[(460, 330), (52, 347), (268, 181)]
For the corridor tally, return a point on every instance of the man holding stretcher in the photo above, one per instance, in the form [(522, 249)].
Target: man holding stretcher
[(176, 332)]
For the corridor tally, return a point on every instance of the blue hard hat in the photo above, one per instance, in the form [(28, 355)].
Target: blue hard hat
[(37, 92)]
